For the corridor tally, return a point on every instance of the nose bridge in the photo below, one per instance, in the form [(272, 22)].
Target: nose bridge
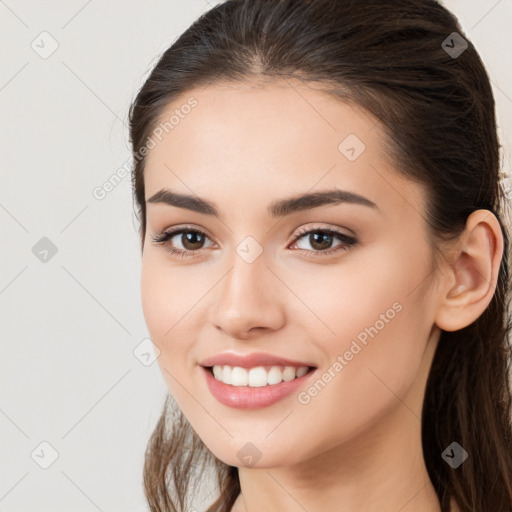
[(246, 297)]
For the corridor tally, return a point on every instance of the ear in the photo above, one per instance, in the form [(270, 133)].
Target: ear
[(470, 282)]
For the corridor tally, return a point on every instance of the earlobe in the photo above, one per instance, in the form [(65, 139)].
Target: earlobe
[(471, 280)]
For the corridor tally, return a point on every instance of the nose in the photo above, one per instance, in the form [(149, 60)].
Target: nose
[(248, 300)]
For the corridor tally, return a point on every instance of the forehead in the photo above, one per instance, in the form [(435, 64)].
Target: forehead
[(244, 142), (238, 122)]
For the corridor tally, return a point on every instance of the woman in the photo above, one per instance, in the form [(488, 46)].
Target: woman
[(324, 261)]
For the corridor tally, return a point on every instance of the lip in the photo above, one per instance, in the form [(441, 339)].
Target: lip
[(246, 397), (252, 360)]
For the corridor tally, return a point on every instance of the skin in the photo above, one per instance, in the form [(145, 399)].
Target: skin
[(357, 444)]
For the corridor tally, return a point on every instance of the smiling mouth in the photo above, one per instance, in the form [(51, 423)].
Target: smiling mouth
[(259, 376)]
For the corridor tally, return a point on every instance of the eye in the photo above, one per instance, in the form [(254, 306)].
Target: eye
[(190, 239), (322, 238)]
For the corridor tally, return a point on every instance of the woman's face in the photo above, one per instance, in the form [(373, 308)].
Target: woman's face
[(251, 281)]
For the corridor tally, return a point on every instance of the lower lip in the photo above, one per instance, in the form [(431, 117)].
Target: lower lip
[(246, 397)]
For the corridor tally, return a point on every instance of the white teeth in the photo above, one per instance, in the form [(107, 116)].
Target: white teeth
[(218, 372), (226, 375), (258, 376), (239, 376), (289, 373), (302, 371), (275, 375)]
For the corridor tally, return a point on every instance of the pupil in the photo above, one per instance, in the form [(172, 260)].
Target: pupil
[(193, 238), (323, 240)]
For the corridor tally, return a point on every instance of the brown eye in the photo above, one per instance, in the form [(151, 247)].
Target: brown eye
[(321, 240), (191, 241)]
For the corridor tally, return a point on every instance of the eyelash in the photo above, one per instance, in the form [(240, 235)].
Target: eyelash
[(348, 241)]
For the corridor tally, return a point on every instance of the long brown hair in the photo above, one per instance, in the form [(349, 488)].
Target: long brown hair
[(400, 60)]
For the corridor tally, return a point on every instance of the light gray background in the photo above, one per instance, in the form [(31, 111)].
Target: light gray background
[(69, 326)]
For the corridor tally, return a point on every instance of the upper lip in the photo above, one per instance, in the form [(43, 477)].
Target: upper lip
[(251, 360)]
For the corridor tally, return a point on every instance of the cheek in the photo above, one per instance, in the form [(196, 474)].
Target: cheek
[(153, 296), (371, 364), (378, 297), (377, 321), (162, 305), (170, 299), (341, 302), (161, 315), (166, 294)]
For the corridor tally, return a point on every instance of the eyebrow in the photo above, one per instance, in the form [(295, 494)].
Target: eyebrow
[(280, 208)]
